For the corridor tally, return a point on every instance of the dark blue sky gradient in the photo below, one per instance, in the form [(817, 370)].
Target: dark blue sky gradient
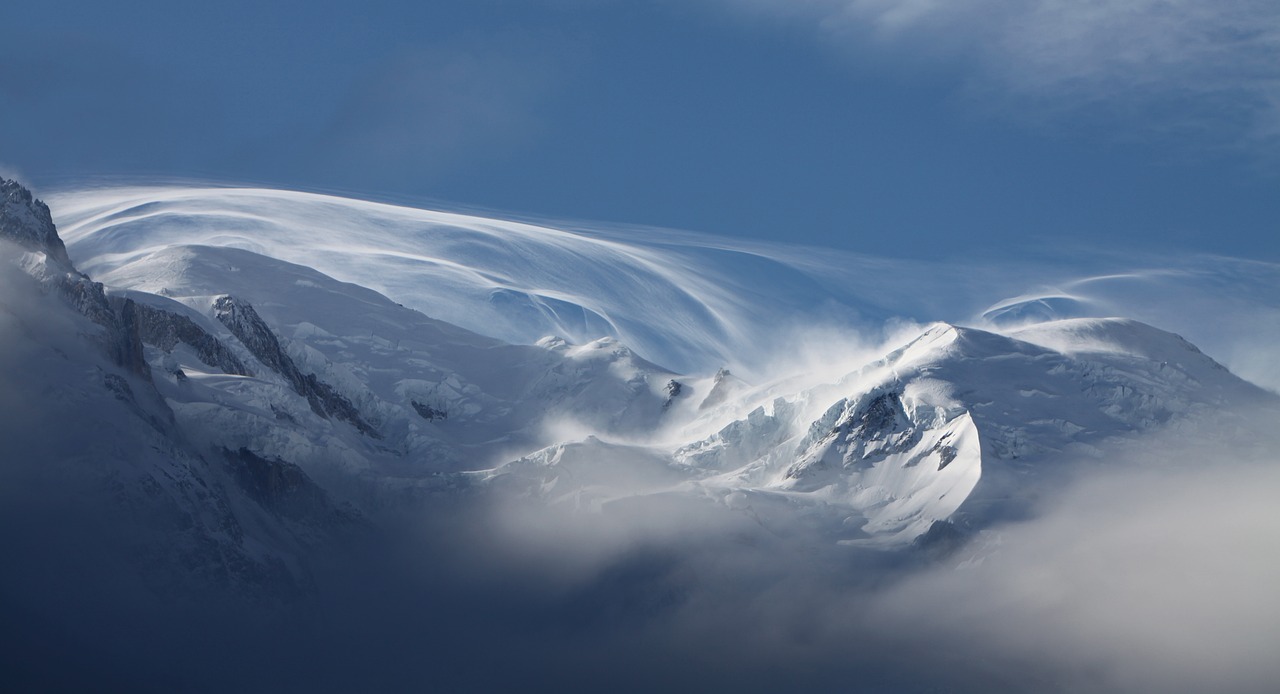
[(644, 113)]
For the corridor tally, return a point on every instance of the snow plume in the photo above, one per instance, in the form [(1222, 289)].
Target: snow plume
[(1227, 307), (689, 302), (686, 302)]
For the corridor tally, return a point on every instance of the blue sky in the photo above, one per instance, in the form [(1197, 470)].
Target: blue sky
[(904, 127)]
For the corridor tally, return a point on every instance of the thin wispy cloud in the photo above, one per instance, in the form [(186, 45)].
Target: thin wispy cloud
[(1206, 64)]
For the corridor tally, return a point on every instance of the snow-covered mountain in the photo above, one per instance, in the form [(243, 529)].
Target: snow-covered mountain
[(257, 384), (686, 306), (693, 303), (95, 457)]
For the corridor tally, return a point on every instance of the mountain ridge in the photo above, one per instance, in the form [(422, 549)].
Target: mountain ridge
[(289, 375)]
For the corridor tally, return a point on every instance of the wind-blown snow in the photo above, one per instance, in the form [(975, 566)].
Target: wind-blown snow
[(688, 302), (572, 501), (690, 308)]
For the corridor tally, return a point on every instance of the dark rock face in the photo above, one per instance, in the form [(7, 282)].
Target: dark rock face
[(876, 417), (165, 329), (284, 490), (720, 388), (121, 339), (946, 454), (248, 327), (941, 540), (878, 427), (428, 412), (27, 222), (856, 436), (128, 341), (674, 389)]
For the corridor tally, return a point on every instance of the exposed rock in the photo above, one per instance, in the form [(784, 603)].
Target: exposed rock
[(248, 327), (26, 221), (160, 418), (674, 389), (941, 540), (722, 386), (428, 412), (877, 416), (284, 490), (875, 428), (165, 329), (946, 454)]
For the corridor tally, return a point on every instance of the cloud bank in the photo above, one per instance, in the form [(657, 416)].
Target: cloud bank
[(1147, 576)]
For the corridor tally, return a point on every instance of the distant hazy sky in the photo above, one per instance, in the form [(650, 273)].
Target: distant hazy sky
[(907, 127)]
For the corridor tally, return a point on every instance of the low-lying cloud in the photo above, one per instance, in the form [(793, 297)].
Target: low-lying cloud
[(1153, 571)]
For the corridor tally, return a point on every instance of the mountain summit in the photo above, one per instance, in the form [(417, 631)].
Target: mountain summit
[(27, 222)]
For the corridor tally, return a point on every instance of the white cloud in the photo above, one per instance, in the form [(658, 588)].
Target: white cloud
[(1150, 574), (1193, 62)]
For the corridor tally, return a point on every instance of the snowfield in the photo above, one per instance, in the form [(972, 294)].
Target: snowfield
[(532, 360), (693, 303)]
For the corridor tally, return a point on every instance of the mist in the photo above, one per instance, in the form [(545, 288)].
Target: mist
[(1153, 570)]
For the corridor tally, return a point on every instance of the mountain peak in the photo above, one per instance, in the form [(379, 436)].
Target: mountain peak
[(26, 221)]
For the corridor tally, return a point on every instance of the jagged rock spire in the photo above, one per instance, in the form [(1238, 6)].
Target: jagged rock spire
[(26, 221)]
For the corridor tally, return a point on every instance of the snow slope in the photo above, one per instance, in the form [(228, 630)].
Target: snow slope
[(959, 425), (690, 308), (412, 395), (686, 301), (269, 330)]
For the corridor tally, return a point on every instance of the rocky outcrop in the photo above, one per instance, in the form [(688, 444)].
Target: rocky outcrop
[(723, 386), (673, 390), (856, 435), (285, 490), (26, 221), (428, 412), (166, 329), (121, 339), (877, 426), (254, 333)]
